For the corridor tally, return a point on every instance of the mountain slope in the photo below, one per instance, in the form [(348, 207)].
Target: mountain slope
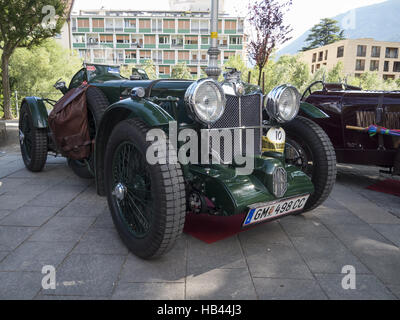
[(379, 21)]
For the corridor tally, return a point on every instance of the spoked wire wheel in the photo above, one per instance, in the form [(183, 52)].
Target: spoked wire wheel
[(147, 201), (33, 141), (132, 189)]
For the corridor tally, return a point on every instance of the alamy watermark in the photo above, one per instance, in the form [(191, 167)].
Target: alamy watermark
[(349, 280), (49, 20), (206, 149)]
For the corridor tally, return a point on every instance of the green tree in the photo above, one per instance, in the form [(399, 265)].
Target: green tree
[(34, 71), (181, 71), (150, 69), (25, 24), (323, 33), (336, 74)]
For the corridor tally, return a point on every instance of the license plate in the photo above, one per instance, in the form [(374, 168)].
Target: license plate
[(267, 211)]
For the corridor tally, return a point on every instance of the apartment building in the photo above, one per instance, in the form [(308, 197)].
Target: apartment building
[(167, 38), (358, 56)]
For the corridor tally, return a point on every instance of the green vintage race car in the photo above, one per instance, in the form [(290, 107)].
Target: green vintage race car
[(292, 162)]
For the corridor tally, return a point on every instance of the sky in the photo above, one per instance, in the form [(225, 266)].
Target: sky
[(302, 15)]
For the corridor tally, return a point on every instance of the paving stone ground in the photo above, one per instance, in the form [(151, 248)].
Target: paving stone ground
[(55, 218)]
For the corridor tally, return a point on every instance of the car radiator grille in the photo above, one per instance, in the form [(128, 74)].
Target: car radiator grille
[(241, 112)]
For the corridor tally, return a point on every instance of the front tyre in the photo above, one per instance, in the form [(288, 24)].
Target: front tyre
[(309, 148), (33, 141), (147, 202)]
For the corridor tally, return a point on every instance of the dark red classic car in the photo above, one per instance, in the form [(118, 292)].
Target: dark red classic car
[(347, 112)]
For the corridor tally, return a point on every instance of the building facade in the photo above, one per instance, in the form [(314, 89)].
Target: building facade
[(166, 38), (358, 56)]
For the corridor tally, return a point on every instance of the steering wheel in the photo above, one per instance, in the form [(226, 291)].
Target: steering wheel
[(308, 90)]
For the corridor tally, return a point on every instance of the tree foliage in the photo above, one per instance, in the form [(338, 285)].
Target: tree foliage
[(325, 32), (150, 69), (181, 71), (267, 20), (34, 71), (25, 23)]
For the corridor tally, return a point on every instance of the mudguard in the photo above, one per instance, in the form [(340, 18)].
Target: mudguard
[(150, 113), (38, 111), (312, 111)]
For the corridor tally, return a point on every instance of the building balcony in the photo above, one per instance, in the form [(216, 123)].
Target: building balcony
[(79, 45), (204, 61), (177, 46), (98, 29), (240, 31), (194, 61), (191, 46), (230, 31), (99, 60), (130, 30), (236, 46), (93, 45), (187, 31), (119, 29), (136, 45), (204, 31), (106, 45), (128, 60), (143, 30), (169, 30), (123, 45), (169, 62), (164, 45), (157, 61), (150, 46), (109, 29)]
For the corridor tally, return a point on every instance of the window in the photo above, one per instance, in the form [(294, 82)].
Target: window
[(78, 79), (163, 40), (361, 51), (228, 54), (137, 41), (149, 39), (195, 26), (204, 40), (321, 56), (376, 52), (360, 65), (122, 39), (392, 53), (83, 23), (106, 38), (386, 66), (358, 75), (183, 55), (191, 40), (79, 38), (177, 41), (144, 24), (130, 23), (389, 77), (314, 57), (184, 24), (164, 70), (374, 65), (98, 23), (169, 55), (169, 24), (145, 54), (230, 25), (235, 40), (326, 55), (130, 54), (312, 68), (193, 71), (396, 66), (340, 52)]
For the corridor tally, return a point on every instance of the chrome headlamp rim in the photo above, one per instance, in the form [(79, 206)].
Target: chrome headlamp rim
[(190, 96), (272, 101)]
